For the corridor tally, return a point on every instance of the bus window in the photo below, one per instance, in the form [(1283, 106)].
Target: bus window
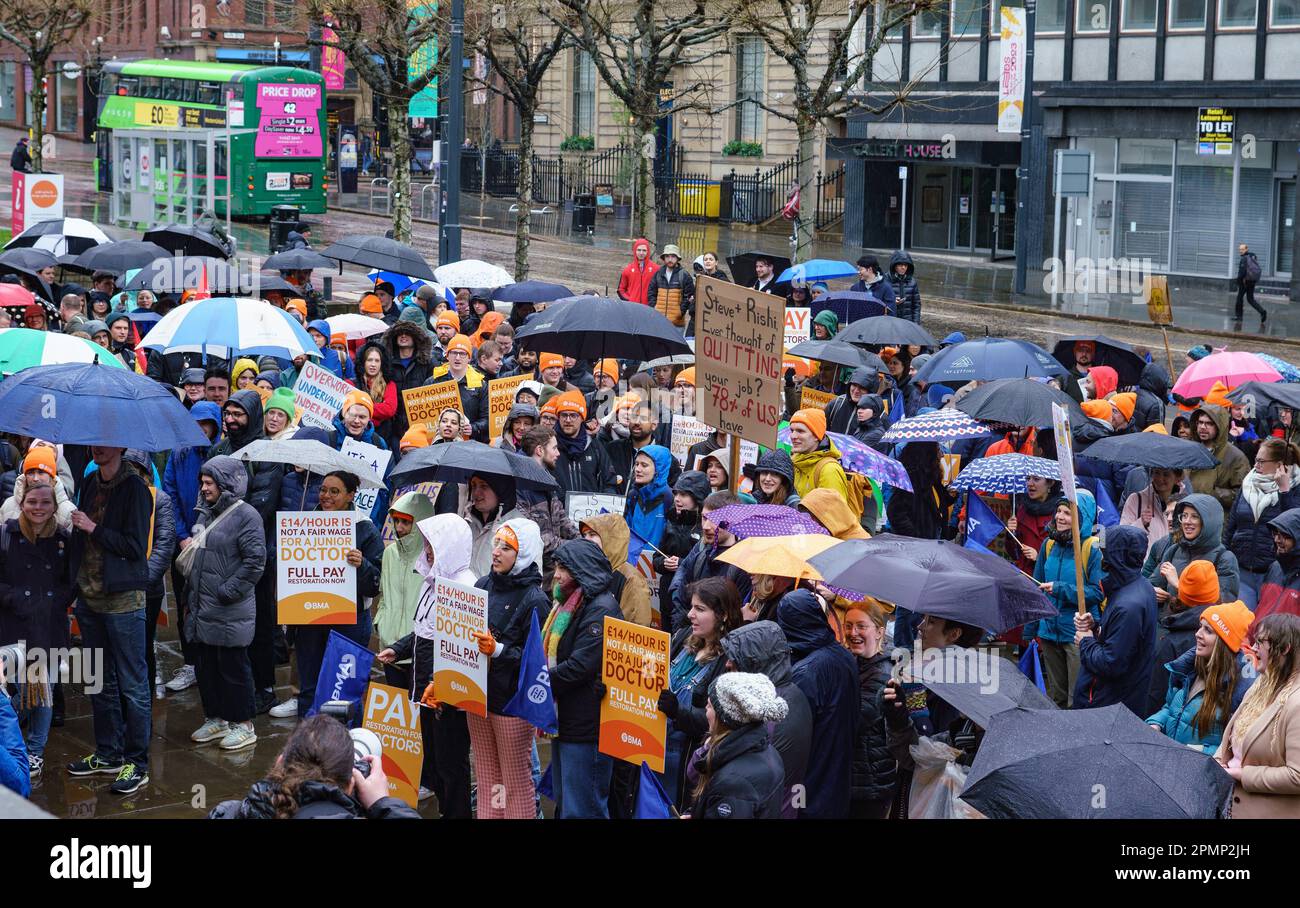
[(208, 93), (107, 84), (128, 85), (188, 90), (150, 87), (171, 89), (219, 157)]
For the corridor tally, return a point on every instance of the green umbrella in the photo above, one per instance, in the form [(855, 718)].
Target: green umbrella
[(23, 347)]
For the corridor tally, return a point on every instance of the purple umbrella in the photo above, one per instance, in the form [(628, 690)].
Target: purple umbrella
[(745, 520), (860, 457)]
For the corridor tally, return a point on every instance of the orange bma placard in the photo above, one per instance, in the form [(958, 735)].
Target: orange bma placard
[(314, 582), (459, 669), (634, 669), (395, 718)]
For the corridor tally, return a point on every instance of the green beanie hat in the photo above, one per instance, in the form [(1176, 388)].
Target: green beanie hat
[(282, 400)]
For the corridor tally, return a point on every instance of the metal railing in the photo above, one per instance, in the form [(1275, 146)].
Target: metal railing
[(830, 198), (756, 198), (387, 186)]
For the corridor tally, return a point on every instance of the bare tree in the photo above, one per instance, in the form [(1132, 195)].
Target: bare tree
[(38, 28), (636, 45), (379, 38), (519, 56), (827, 77)]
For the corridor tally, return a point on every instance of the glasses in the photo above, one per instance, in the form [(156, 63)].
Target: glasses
[(1205, 422), (1261, 462)]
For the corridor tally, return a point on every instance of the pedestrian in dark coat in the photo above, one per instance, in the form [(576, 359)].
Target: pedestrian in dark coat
[(410, 355), (1280, 591), (1271, 487), (871, 429), (740, 775), (1115, 659), (875, 772), (703, 562), (1152, 394), (841, 413), (1248, 274), (923, 512), (828, 676), (907, 295), (162, 548)]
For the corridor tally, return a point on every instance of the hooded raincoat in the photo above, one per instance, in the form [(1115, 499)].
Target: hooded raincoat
[(634, 592), (399, 583), (1207, 546), (513, 599), (1055, 565), (1223, 481)]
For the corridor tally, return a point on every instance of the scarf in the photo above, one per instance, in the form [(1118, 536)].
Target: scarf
[(32, 533), (557, 623), (572, 448), (1261, 492)]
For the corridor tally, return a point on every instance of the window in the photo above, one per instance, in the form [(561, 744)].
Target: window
[(285, 11), (187, 89), (749, 88), (7, 85), (1187, 14), (966, 15), (842, 69), (1093, 16), (66, 99), (150, 87), (1146, 156), (1051, 18), (1285, 12), (584, 94), (128, 86), (254, 12), (1237, 13), (929, 21), (171, 90), (1139, 16), (208, 93)]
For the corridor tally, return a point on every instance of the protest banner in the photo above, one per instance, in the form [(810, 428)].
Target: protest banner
[(738, 350), (318, 394), (645, 565), (314, 582), (634, 670), (951, 466), (374, 458), (1065, 457), (814, 400), (687, 431), (423, 404), (748, 454), (581, 506), (459, 669), (395, 719), (428, 489), (501, 397), (798, 325)]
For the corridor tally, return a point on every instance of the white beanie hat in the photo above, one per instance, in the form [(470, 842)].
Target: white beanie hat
[(740, 698)]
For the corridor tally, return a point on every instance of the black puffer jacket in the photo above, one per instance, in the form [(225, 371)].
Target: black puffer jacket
[(1152, 392), (588, 471), (875, 773), (512, 600), (412, 375), (317, 801), (746, 781), (575, 679), (1251, 540), (871, 432), (907, 295)]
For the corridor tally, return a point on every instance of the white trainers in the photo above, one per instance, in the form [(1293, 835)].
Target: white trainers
[(286, 710), (210, 730), (241, 734), (35, 765), (183, 678)]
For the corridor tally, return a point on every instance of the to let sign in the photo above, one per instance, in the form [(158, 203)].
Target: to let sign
[(1215, 130), (738, 351)]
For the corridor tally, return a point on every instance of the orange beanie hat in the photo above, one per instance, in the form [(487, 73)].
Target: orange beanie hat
[(1158, 428), (415, 437), (358, 397), (1125, 403), (1230, 621), (607, 367), (370, 305), (571, 402), (447, 317), (460, 342), (42, 458), (1097, 409), (686, 376), (550, 361), (813, 420), (1218, 396), (1199, 584)]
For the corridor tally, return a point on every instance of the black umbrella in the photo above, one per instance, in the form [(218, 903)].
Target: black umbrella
[(117, 258), (1003, 685), (38, 285), (531, 292), (742, 266), (270, 281), (382, 253), (61, 236), (849, 306), (29, 259), (987, 359), (177, 273), (838, 352), (1018, 402), (886, 330), (933, 577), (188, 240), (1280, 393), (593, 327), (297, 260), (1116, 354), (1152, 449), (459, 460), (1081, 764)]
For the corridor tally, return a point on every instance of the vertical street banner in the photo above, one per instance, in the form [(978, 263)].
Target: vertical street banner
[(634, 669), (501, 397), (425, 403), (798, 325), (318, 394), (459, 669), (395, 719), (1011, 70), (314, 584), (424, 57), (333, 65), (738, 350), (374, 458)]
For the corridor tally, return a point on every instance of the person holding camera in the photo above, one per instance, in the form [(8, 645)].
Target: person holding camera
[(316, 777)]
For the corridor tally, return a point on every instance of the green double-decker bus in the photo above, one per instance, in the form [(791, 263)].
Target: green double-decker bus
[(177, 137)]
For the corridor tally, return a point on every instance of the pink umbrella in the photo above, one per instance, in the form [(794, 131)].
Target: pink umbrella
[(1232, 369)]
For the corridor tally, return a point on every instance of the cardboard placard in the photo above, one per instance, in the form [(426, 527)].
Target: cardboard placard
[(501, 397), (314, 582), (645, 566), (1155, 292), (581, 505), (425, 403), (738, 351), (814, 400), (319, 393), (377, 460), (634, 669), (1064, 449), (951, 466), (459, 669), (686, 432), (395, 719)]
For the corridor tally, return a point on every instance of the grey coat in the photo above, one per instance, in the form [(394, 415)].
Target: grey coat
[(221, 609), (164, 542)]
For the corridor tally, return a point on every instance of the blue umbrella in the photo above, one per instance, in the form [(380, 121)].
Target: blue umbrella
[(144, 319), (1005, 474), (89, 404), (225, 326), (850, 305), (987, 359), (859, 457), (818, 270), (1288, 372), (401, 282), (532, 292)]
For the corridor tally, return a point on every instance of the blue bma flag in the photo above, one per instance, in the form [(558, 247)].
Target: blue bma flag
[(344, 672), (982, 525), (1032, 666), (533, 701), (651, 802), (1107, 513)]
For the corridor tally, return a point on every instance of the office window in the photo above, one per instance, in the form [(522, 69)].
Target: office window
[(1051, 18), (842, 69), (1187, 14), (1237, 13), (1146, 156), (254, 12), (584, 94), (8, 82), (929, 22), (966, 18), (1139, 15), (1285, 12), (67, 96), (1093, 16), (749, 88), (285, 11)]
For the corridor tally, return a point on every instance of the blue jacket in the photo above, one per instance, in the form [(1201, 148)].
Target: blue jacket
[(1177, 716), (1055, 565), (180, 479), (1115, 663), (828, 676), (341, 366), (14, 772)]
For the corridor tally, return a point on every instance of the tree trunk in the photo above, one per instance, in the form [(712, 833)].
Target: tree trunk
[(38, 116), (524, 193), (806, 225), (399, 140), (645, 188)]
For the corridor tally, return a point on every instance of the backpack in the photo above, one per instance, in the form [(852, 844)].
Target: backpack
[(860, 490), (1253, 271)]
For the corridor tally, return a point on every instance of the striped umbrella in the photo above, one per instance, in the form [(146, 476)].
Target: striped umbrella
[(64, 236), (23, 347), (937, 425), (225, 326), (1005, 474)]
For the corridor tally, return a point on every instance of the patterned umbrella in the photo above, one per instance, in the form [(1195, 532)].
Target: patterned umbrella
[(860, 457), (1288, 372), (24, 347), (1005, 474), (746, 520), (937, 425), (226, 325)]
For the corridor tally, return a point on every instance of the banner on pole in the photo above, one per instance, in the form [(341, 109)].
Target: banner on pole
[(1011, 75)]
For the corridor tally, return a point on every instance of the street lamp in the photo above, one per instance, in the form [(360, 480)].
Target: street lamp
[(277, 50)]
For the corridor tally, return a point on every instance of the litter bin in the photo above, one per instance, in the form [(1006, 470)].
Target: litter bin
[(584, 212), (698, 198), (284, 218)]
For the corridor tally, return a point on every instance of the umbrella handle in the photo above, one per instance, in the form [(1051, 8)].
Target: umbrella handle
[(305, 482)]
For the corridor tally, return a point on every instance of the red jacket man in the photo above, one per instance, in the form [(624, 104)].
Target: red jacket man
[(635, 280)]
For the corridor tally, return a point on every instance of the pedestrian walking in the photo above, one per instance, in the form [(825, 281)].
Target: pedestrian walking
[(1248, 274)]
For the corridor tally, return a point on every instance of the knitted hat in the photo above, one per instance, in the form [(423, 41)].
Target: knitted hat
[(740, 698), (571, 402), (1097, 409), (358, 397), (41, 458), (920, 360), (448, 317), (551, 406), (1125, 403), (282, 400), (813, 420), (508, 537), (549, 361), (425, 292), (115, 316), (1230, 621), (462, 343), (1158, 428), (607, 367), (686, 376), (370, 305), (1200, 351), (1199, 584), (415, 437), (297, 305), (1218, 395)]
